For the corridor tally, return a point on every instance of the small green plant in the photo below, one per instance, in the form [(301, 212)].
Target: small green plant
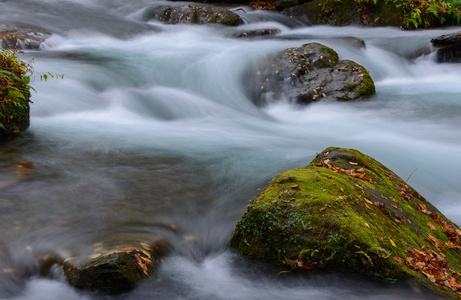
[(15, 78)]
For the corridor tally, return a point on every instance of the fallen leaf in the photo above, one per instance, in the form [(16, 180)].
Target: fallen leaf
[(366, 224), (353, 163), (431, 226), (434, 241), (368, 201), (395, 206), (322, 209), (295, 187), (392, 243), (366, 205), (398, 259)]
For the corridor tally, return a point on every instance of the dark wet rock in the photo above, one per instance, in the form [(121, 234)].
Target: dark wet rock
[(448, 48), (109, 272), (346, 212), (23, 37), (306, 74), (256, 33), (195, 15), (447, 40), (113, 273)]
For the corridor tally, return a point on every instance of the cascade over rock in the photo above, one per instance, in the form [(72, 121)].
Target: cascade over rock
[(312, 72), (448, 47), (346, 212)]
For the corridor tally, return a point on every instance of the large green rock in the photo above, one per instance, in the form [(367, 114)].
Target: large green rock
[(346, 212)]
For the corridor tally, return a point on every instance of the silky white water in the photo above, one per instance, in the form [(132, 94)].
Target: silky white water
[(151, 126)]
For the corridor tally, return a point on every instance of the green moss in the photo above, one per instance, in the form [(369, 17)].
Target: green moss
[(367, 87), (314, 218)]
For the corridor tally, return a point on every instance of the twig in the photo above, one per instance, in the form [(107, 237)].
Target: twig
[(410, 175)]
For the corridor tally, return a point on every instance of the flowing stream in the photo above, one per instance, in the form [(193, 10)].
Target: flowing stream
[(151, 130)]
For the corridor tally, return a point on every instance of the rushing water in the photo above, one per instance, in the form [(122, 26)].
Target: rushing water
[(151, 129)]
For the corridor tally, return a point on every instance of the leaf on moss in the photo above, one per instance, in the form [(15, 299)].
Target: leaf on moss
[(392, 243), (431, 226), (434, 241)]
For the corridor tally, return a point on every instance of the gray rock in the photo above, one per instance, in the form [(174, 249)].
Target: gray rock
[(256, 33), (23, 37), (195, 15), (307, 74)]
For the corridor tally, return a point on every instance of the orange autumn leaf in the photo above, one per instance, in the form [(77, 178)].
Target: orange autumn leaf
[(367, 206), (434, 241), (423, 208), (398, 259), (431, 226)]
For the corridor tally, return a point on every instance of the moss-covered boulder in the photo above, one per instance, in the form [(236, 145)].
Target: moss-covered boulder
[(14, 94), (195, 15), (346, 212), (310, 73)]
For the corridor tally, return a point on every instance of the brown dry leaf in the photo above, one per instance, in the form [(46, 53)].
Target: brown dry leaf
[(395, 206), (368, 201), (361, 170), (429, 276), (128, 249), (353, 163), (431, 226), (419, 255), (368, 226), (69, 259), (458, 231), (322, 209), (380, 238), (423, 208), (142, 264), (434, 241), (398, 259), (366, 205), (295, 187)]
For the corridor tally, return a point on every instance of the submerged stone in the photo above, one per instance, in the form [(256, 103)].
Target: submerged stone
[(345, 212), (256, 33), (310, 73)]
